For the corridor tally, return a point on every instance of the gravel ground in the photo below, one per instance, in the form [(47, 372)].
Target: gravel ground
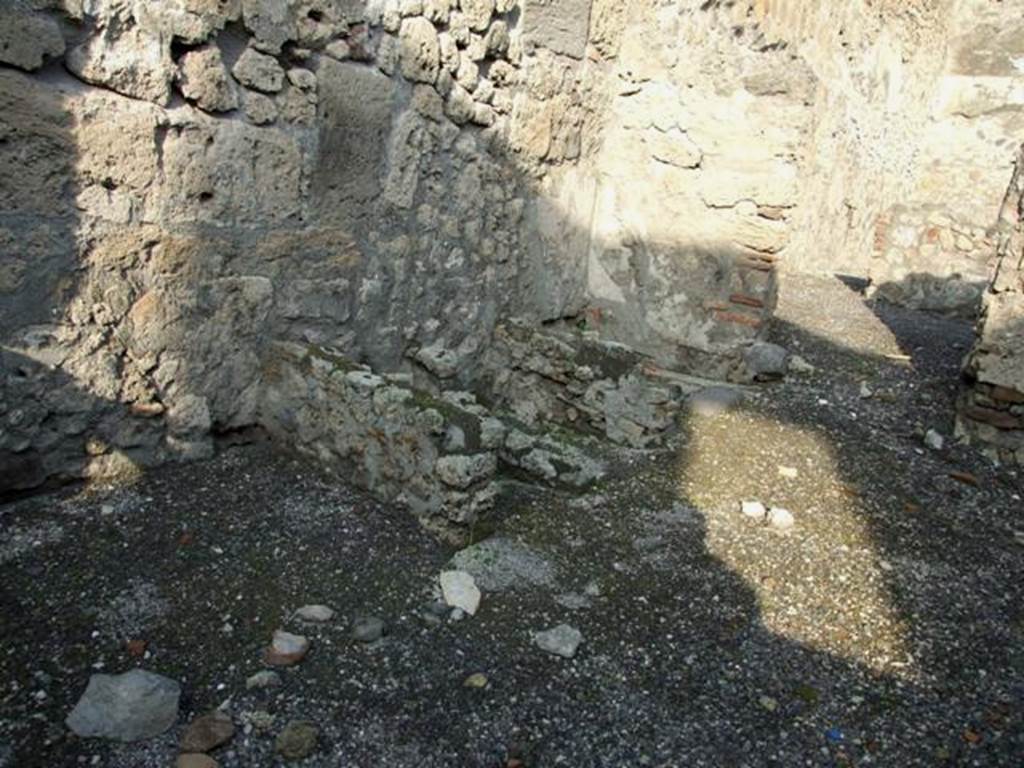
[(884, 628)]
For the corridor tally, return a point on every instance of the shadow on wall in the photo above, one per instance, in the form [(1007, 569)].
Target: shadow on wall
[(150, 254), (123, 346), (946, 294)]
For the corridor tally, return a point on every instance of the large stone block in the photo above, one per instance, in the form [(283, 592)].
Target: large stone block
[(28, 39), (36, 147), (229, 173), (560, 26), (356, 106)]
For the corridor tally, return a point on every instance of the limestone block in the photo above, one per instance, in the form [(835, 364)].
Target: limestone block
[(260, 71), (192, 21), (560, 26), (36, 146), (229, 172), (131, 61), (355, 112), (477, 13), (204, 80), (420, 50), (28, 39)]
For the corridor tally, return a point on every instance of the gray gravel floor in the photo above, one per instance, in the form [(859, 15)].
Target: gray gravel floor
[(885, 628)]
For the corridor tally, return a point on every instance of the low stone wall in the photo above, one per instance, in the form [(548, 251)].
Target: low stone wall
[(437, 455), (602, 388), (991, 406), (405, 446), (925, 259)]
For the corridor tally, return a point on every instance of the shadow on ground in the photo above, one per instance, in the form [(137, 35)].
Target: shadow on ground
[(884, 628)]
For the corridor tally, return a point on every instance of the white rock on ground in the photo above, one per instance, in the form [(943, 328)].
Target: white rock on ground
[(130, 707), (934, 440), (286, 649), (320, 613), (754, 509), (781, 519), (562, 640), (460, 591)]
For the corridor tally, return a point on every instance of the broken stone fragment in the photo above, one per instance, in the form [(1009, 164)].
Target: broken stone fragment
[(477, 13), (207, 732), (260, 109), (460, 591), (934, 440), (765, 361), (297, 740), (203, 79), (754, 509), (780, 519), (476, 680), (264, 679), (129, 707), (286, 649), (562, 640), (462, 471), (368, 629), (260, 71), (460, 106), (133, 63)]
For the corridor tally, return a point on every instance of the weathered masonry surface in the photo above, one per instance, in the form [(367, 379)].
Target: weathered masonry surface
[(554, 205)]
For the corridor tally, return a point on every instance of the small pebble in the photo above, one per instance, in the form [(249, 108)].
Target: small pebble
[(368, 629), (477, 680), (754, 509), (317, 613), (779, 518)]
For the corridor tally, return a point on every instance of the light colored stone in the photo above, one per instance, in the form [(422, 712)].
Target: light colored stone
[(460, 591), (420, 50), (286, 649), (259, 71), (28, 39), (128, 707), (135, 63), (317, 613), (780, 519), (462, 471), (562, 640), (560, 27), (264, 679), (260, 109), (754, 509), (204, 80), (477, 13)]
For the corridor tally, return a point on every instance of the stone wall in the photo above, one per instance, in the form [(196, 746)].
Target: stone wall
[(185, 185), (917, 109), (184, 182), (437, 455), (991, 405)]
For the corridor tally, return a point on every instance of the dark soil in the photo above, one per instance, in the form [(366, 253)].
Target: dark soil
[(885, 628)]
